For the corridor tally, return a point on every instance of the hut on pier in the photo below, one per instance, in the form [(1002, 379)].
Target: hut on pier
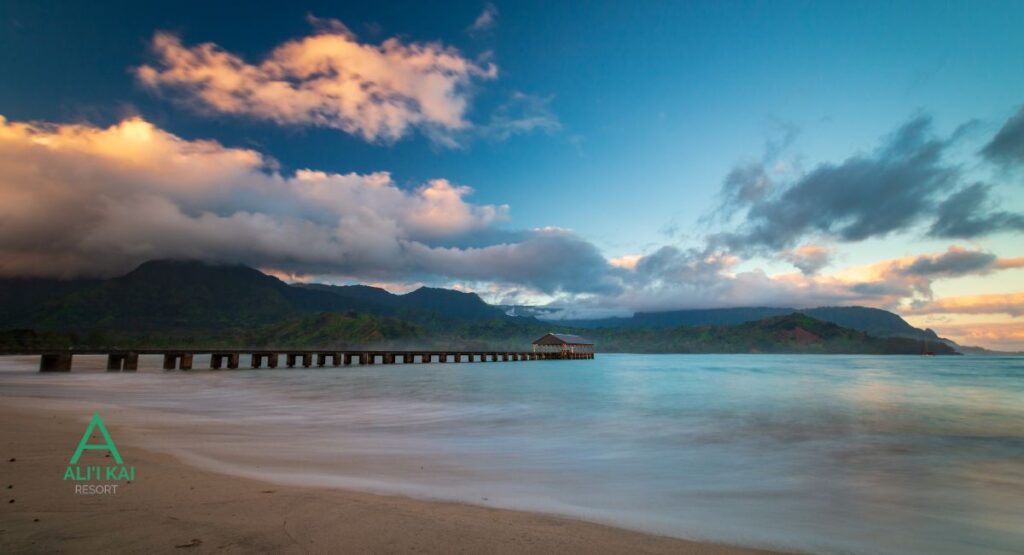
[(568, 345)]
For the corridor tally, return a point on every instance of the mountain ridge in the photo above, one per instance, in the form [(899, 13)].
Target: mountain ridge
[(188, 297), (872, 320)]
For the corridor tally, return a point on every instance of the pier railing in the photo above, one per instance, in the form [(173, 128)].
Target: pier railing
[(182, 359)]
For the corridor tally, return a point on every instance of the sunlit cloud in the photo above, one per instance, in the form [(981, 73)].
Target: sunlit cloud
[(327, 79), (626, 262), (995, 303), (1002, 336), (81, 200)]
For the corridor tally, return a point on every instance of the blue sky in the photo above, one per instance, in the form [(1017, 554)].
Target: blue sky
[(616, 122)]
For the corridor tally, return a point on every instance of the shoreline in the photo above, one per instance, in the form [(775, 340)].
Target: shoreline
[(176, 506)]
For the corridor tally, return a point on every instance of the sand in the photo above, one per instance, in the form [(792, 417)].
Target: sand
[(176, 508)]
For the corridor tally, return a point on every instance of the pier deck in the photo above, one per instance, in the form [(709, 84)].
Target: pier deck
[(182, 359)]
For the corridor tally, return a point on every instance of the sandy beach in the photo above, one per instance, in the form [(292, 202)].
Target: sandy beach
[(174, 507)]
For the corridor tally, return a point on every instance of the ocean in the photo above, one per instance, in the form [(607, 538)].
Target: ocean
[(833, 454)]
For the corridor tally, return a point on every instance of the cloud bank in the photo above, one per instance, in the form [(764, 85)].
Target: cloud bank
[(673, 278), (81, 200), (77, 200), (328, 79)]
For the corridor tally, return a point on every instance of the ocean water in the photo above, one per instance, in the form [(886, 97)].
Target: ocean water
[(833, 454)]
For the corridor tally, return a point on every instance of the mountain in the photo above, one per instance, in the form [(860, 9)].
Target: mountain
[(191, 295), (453, 304), (424, 302), (174, 302), (874, 321), (372, 299), (790, 333), (163, 294)]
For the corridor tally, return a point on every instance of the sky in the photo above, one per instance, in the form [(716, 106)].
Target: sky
[(598, 158)]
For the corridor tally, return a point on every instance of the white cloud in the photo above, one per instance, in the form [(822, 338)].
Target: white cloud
[(77, 199), (328, 79)]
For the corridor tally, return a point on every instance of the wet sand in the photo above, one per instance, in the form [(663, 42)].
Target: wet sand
[(176, 508)]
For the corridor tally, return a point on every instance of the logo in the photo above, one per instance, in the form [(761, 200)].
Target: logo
[(101, 475)]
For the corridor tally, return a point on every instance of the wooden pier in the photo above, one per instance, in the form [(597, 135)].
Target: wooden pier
[(182, 359)]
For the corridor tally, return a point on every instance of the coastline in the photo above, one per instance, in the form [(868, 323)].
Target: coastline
[(176, 507)]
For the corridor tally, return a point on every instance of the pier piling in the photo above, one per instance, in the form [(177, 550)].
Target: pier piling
[(55, 362), (128, 361), (122, 362)]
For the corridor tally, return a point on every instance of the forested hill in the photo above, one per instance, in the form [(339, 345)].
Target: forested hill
[(191, 303), (170, 295), (875, 321)]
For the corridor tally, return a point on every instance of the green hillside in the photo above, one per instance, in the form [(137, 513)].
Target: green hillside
[(183, 303)]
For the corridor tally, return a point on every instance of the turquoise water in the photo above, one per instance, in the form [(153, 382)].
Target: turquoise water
[(838, 454)]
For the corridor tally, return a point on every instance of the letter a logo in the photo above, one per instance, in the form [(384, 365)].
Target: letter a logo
[(97, 422)]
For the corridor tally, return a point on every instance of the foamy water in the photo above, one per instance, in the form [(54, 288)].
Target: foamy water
[(839, 454)]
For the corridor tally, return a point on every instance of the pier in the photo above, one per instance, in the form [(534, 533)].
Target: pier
[(182, 359)]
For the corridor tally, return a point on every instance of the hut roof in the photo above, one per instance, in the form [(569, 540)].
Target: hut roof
[(562, 339)]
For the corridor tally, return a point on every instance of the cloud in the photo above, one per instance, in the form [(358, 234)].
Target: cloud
[(487, 19), (907, 180), (956, 261), (671, 278), (521, 114), (745, 185), (865, 196), (968, 213), (548, 260), (999, 303), (328, 79), (1007, 145), (80, 200), (809, 259), (1005, 336), (627, 261), (908, 276)]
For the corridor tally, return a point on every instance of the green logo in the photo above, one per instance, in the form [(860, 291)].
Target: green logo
[(110, 474), (97, 422)]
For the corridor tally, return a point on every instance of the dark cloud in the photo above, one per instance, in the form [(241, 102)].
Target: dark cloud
[(967, 214), (745, 185), (953, 262), (548, 260), (907, 180), (882, 289), (1007, 146)]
